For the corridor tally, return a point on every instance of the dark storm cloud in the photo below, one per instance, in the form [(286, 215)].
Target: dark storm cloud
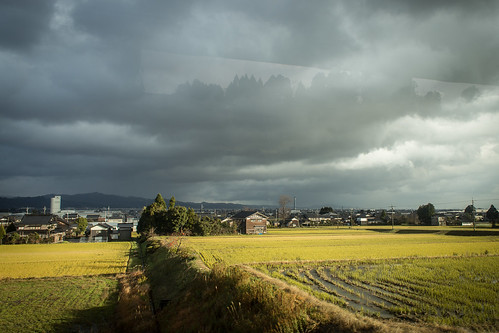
[(130, 21), (23, 23), (437, 28), (81, 110), (428, 7)]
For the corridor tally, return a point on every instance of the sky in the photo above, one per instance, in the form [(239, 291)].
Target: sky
[(337, 103)]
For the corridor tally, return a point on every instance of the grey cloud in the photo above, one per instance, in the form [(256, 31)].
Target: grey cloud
[(77, 117), (23, 23), (428, 7), (128, 22)]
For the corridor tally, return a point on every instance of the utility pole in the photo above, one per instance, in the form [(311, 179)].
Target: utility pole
[(392, 217), (473, 213)]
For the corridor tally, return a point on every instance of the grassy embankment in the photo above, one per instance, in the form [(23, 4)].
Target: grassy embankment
[(229, 299), (60, 287)]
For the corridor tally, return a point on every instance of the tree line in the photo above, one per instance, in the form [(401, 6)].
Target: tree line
[(166, 220), (425, 213)]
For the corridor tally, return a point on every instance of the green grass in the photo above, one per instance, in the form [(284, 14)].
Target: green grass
[(56, 304), (456, 291)]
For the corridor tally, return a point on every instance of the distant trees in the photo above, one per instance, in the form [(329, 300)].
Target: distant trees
[(383, 217), (492, 215), (178, 220), (468, 213), (212, 226), (325, 210), (425, 212)]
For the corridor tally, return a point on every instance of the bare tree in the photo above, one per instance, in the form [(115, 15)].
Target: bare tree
[(284, 200)]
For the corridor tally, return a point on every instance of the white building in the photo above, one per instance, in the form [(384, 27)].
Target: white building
[(55, 205)]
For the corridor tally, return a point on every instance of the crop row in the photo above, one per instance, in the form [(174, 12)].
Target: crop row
[(459, 291)]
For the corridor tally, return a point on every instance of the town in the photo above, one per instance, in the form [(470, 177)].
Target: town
[(120, 224)]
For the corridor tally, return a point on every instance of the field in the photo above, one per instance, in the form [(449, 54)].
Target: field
[(339, 244), (436, 275), (460, 291), (56, 304), (66, 259), (59, 287)]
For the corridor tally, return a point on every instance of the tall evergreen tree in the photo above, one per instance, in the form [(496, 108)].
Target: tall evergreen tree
[(152, 215)]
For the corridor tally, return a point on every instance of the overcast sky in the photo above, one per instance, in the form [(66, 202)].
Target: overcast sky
[(338, 103)]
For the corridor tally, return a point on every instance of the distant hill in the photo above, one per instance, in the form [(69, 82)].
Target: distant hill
[(98, 200)]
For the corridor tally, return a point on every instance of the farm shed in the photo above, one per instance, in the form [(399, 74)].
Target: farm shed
[(250, 222), (125, 231)]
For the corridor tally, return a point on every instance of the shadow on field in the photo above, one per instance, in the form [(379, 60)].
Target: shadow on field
[(442, 232), (98, 319), (381, 230), (472, 233), (417, 231)]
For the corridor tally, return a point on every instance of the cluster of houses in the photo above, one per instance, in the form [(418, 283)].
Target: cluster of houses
[(256, 222), (54, 228)]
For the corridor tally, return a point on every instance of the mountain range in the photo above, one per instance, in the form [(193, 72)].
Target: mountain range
[(97, 200)]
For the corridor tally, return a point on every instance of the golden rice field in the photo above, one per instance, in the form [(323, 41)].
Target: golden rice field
[(65, 259), (317, 244)]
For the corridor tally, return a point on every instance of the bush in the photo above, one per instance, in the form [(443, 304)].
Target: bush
[(33, 238), (13, 238)]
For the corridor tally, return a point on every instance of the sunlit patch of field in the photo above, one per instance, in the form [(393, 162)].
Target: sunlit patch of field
[(319, 244), (65, 259)]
